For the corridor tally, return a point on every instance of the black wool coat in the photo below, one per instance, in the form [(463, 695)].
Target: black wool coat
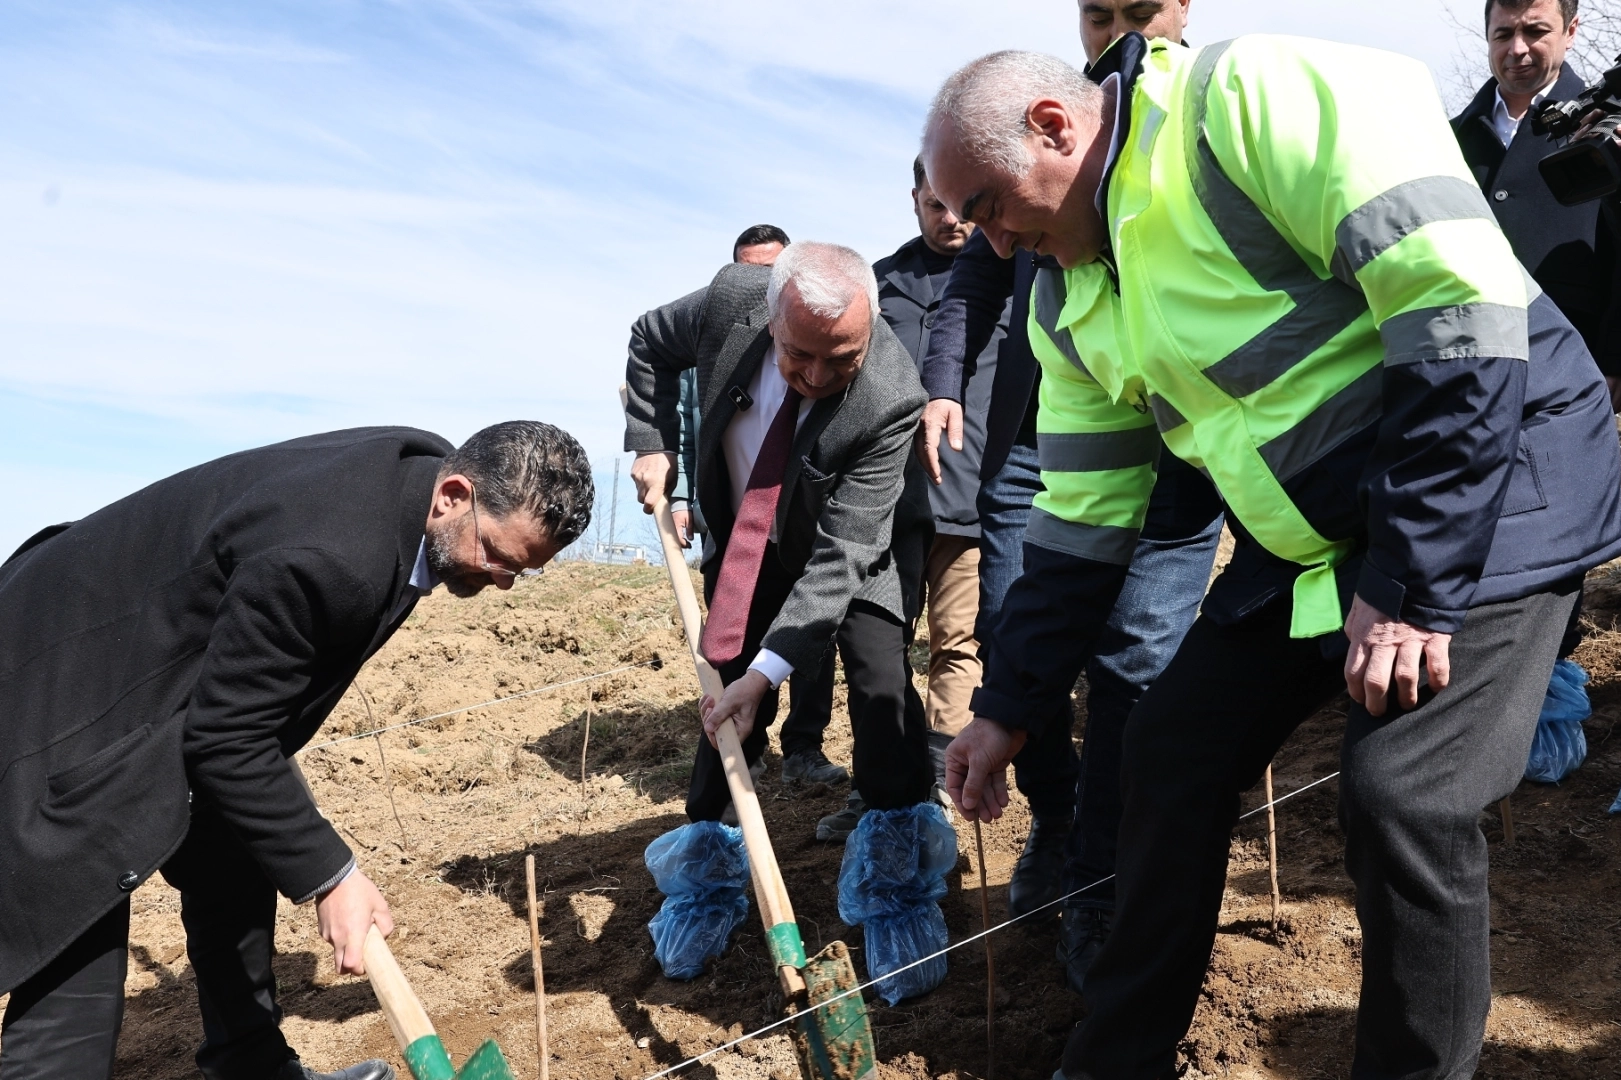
[(1569, 250), (179, 645)]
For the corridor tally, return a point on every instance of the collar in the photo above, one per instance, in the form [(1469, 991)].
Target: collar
[(1566, 85), (1112, 82), (1122, 60), (423, 579), (1501, 106)]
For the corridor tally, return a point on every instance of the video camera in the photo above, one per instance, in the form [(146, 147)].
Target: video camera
[(1589, 167)]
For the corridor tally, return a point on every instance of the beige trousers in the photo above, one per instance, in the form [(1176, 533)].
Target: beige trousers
[(951, 581)]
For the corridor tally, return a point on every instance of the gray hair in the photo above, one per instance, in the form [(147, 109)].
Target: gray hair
[(986, 102), (530, 468), (826, 276)]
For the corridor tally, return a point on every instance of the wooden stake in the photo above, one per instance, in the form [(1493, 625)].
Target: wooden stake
[(1507, 812), (540, 978), (990, 962), (585, 744), (1272, 849)]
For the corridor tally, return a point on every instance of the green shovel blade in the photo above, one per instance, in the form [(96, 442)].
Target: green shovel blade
[(428, 1061), (486, 1063), (835, 1041)]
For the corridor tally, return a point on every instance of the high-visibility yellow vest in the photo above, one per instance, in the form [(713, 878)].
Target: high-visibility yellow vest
[(1287, 216)]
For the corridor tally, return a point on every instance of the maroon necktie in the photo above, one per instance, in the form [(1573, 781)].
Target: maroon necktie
[(722, 640)]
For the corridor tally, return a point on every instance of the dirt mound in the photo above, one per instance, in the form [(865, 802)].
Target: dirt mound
[(477, 791)]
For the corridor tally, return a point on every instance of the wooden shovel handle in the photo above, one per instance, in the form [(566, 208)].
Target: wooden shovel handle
[(406, 1016), (768, 887)]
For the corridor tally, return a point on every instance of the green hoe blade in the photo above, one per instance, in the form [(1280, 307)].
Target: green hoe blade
[(835, 1042)]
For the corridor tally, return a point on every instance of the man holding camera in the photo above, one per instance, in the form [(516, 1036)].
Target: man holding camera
[(1568, 249)]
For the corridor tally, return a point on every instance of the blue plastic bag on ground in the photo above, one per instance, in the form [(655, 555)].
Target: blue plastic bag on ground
[(1560, 745), (703, 871), (893, 877)]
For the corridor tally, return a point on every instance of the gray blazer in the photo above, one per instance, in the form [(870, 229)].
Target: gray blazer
[(845, 474)]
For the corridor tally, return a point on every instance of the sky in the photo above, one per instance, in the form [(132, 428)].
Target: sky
[(222, 225)]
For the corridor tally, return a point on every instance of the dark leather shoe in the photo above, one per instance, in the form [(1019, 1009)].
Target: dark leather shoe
[(366, 1070), (1081, 934), (1036, 876)]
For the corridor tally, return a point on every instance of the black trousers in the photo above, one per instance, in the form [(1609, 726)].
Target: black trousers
[(62, 1024), (810, 709), (891, 757), (1411, 793)]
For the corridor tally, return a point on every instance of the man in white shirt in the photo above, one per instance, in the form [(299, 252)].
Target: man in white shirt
[(808, 404), (1569, 250)]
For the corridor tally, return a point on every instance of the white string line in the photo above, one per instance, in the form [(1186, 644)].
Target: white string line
[(1292, 794), (484, 704), (965, 941)]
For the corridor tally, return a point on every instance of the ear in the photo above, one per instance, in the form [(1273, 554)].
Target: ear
[(452, 495), (1055, 123)]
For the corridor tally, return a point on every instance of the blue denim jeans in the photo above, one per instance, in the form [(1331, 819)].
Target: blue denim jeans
[(1157, 604)]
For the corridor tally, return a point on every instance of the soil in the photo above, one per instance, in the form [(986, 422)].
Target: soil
[(476, 792)]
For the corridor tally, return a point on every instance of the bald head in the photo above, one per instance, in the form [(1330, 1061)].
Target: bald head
[(1015, 142)]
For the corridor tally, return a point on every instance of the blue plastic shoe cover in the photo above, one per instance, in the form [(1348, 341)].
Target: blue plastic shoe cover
[(894, 874), (1560, 745), (703, 872)]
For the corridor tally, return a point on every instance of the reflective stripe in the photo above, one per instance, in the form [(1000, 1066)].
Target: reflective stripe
[(1331, 423), (1317, 316), (1102, 543), (1097, 451), (1458, 331), (1323, 307), (1166, 418), (1384, 220), (1047, 298), (1532, 289), (1253, 240)]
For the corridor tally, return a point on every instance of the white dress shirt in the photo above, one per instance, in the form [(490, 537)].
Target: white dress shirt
[(1505, 125), (740, 444), (423, 578)]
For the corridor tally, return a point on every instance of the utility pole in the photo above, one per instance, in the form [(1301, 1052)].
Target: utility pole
[(613, 509)]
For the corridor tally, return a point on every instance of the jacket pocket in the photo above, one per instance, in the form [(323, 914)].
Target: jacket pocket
[(60, 786), (1525, 480)]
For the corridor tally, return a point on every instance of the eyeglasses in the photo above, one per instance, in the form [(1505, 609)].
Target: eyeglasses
[(494, 569)]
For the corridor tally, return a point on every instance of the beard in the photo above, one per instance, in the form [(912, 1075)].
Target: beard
[(442, 542)]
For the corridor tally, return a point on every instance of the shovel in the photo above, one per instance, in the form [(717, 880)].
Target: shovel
[(834, 1041), (424, 1053)]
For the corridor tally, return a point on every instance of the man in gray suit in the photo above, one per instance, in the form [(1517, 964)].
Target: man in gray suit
[(808, 405)]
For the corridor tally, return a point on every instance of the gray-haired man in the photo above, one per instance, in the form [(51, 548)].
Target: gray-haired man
[(808, 404)]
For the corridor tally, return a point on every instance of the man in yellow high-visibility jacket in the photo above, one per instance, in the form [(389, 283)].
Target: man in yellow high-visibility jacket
[(1276, 259)]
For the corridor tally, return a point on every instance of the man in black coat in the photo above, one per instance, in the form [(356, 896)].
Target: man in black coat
[(1567, 249), (160, 663)]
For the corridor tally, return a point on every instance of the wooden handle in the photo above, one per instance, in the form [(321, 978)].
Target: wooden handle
[(768, 887), (406, 1016), (540, 976)]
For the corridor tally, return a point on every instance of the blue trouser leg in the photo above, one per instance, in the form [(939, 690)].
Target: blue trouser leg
[(1047, 768), (1157, 604)]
